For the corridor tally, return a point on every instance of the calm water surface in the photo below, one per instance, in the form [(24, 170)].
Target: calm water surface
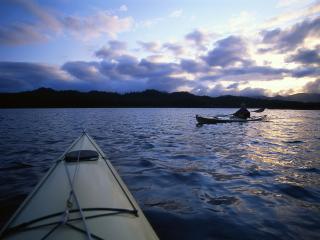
[(257, 180)]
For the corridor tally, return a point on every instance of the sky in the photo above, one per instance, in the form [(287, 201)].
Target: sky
[(206, 47)]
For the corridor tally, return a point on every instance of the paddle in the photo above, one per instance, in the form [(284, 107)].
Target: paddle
[(260, 110)]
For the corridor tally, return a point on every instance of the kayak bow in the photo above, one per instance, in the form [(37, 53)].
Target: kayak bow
[(81, 197)]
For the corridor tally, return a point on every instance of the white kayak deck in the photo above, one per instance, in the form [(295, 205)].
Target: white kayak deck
[(236, 119), (99, 191)]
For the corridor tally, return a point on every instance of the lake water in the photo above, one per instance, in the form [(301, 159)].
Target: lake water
[(258, 180)]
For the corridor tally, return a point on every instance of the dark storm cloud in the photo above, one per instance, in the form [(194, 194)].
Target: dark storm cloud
[(306, 72), (158, 69), (108, 69), (288, 39), (306, 56), (124, 67), (193, 66), (102, 75), (130, 67), (312, 87), (115, 48), (125, 73), (227, 52), (167, 84), (17, 76), (87, 71)]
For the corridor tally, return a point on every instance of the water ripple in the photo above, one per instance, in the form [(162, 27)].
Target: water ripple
[(228, 181)]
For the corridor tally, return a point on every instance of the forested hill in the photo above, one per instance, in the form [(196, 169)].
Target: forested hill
[(49, 98)]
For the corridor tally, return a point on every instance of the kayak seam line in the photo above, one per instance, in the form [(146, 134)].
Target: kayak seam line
[(88, 233)]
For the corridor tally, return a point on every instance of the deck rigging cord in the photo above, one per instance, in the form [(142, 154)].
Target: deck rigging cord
[(73, 195), (69, 202)]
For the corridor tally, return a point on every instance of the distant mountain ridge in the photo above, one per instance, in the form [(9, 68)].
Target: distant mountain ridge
[(300, 97), (48, 98)]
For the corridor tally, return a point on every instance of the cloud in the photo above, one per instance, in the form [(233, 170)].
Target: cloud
[(192, 66), (154, 47), (41, 25), (306, 56), (149, 69), (283, 40), (167, 66), (18, 34), (46, 18), (109, 71), (94, 26), (127, 72), (167, 84), (123, 8), (309, 11), (176, 13), (286, 3), (26, 32), (199, 38), (219, 90), (87, 71), (228, 52), (103, 76), (312, 87), (248, 73), (263, 70), (175, 48), (301, 72), (18, 76), (148, 23), (243, 22), (116, 48), (157, 58)]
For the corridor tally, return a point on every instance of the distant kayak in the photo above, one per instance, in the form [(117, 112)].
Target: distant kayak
[(227, 119), (81, 197)]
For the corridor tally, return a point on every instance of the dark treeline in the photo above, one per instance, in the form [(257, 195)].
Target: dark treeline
[(44, 98)]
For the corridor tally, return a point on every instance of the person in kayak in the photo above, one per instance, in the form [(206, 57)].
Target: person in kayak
[(242, 112)]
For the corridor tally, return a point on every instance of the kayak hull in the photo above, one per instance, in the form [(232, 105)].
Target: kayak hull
[(101, 205), (215, 120)]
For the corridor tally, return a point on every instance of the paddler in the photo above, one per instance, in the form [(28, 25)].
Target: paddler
[(242, 112)]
